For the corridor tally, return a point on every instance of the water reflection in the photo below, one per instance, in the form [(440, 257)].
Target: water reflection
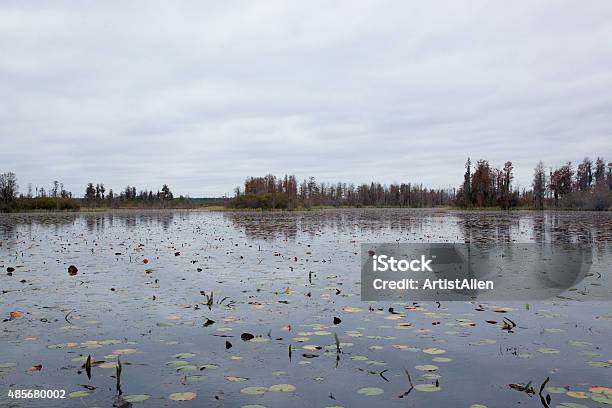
[(406, 224), (11, 225), (431, 225)]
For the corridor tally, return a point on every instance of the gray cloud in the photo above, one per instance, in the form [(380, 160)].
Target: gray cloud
[(200, 95)]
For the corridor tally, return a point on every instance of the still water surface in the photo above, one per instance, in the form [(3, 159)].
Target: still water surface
[(284, 277)]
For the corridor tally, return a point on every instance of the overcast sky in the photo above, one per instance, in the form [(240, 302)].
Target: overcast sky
[(200, 95)]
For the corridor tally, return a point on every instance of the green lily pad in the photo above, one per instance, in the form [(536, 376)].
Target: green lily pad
[(604, 399), (187, 368), (369, 391), (426, 388), (182, 396), (136, 397), (253, 390), (177, 363), (602, 364), (548, 350), (570, 405), (426, 367), (282, 388), (183, 355)]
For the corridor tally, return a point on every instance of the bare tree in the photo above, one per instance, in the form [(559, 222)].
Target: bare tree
[(8, 188), (539, 185)]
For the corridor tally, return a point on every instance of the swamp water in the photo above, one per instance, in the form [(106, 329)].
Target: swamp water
[(284, 287)]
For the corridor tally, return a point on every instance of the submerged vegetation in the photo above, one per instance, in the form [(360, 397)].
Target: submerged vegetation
[(588, 187)]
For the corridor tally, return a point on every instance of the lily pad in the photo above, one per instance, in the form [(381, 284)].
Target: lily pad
[(369, 391), (426, 388), (136, 397), (548, 350), (78, 394), (433, 350), (577, 394), (182, 396), (233, 378), (253, 390), (604, 399), (183, 355), (121, 352), (426, 367), (282, 388)]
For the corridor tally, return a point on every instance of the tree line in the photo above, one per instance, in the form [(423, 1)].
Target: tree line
[(98, 195), (55, 198), (58, 198), (588, 186), (585, 186), (270, 192)]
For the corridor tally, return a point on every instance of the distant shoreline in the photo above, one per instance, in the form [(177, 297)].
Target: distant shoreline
[(217, 208)]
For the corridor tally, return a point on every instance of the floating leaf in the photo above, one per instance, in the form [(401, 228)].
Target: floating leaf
[(121, 352), (15, 314), (136, 397), (580, 343), (182, 396), (183, 355), (233, 378), (433, 350), (598, 389), (548, 350), (604, 399), (188, 367), (78, 394), (282, 388), (426, 387), (577, 394), (426, 367), (253, 390), (178, 363), (369, 391), (602, 364)]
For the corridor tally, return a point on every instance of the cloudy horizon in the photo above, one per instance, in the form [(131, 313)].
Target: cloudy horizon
[(200, 95)]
